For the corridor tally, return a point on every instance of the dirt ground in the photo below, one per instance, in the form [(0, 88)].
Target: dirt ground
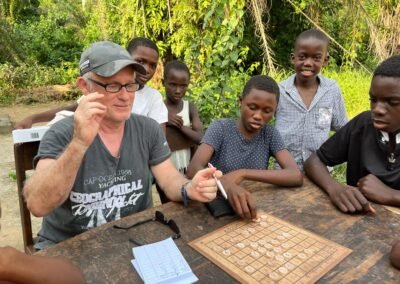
[(10, 232)]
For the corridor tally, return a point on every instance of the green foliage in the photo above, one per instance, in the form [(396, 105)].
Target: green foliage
[(216, 38), (12, 175), (216, 58), (339, 173), (32, 75), (53, 37), (11, 50), (354, 85), (214, 100)]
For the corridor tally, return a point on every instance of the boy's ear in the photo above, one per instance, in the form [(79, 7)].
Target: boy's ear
[(326, 59), (240, 100), (292, 57), (163, 82), (82, 85)]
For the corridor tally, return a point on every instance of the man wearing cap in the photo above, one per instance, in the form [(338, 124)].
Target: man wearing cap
[(93, 168)]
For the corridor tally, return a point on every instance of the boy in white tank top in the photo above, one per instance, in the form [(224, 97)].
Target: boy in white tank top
[(184, 129)]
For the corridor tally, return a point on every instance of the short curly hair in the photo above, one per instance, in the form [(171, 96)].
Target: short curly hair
[(175, 65), (312, 33), (390, 67), (262, 83), (141, 41)]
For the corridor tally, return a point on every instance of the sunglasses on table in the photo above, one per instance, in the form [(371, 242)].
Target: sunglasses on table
[(158, 217)]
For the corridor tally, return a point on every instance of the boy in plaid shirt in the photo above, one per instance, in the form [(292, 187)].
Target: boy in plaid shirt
[(310, 105)]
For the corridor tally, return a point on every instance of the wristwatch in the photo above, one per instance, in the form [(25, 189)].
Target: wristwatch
[(184, 195)]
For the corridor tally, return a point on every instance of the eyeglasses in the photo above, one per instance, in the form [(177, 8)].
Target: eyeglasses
[(159, 217), (116, 87)]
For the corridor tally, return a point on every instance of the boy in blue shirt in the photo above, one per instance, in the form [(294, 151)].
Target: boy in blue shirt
[(310, 105)]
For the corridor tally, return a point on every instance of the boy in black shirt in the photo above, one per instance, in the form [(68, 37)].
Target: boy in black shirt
[(370, 144)]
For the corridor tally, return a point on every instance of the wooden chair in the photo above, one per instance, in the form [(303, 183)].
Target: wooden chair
[(23, 156)]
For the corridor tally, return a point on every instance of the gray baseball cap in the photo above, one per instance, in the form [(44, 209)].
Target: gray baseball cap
[(106, 58)]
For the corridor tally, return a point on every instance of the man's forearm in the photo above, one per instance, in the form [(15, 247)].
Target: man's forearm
[(170, 183), (51, 184), (173, 185)]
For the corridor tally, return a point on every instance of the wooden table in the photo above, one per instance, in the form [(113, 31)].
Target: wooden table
[(104, 253)]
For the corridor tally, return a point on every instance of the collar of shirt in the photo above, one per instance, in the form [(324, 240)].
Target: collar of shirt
[(385, 137), (289, 88)]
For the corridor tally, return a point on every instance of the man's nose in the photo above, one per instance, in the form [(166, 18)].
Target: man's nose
[(125, 94)]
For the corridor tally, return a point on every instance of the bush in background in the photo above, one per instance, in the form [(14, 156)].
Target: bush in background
[(30, 76), (354, 85)]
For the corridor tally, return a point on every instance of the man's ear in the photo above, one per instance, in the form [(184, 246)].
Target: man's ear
[(82, 85), (240, 100), (163, 82)]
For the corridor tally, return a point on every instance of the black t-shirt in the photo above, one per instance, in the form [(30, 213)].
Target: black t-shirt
[(361, 145)]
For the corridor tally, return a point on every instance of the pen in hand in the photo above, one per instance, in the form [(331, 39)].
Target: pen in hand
[(219, 184)]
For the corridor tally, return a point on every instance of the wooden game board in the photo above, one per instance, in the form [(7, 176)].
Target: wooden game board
[(270, 250)]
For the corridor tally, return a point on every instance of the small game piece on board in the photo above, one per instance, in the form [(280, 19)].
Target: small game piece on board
[(262, 242), (270, 254), (249, 269), (283, 270), (261, 250), (289, 266), (268, 246), (254, 245), (287, 255), (274, 276), (302, 255), (308, 251), (251, 230)]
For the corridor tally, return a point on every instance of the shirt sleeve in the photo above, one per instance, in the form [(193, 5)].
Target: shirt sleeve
[(159, 149), (339, 115), (158, 110), (335, 150), (55, 140), (214, 135), (276, 143)]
